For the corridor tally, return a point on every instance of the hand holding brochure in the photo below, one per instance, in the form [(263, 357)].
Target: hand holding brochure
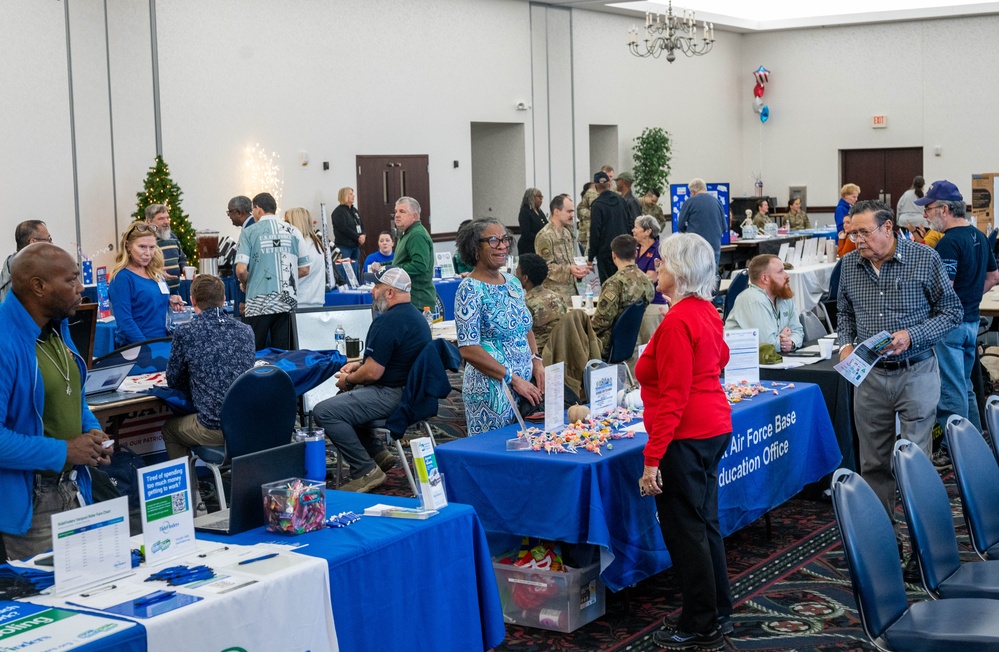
[(863, 358)]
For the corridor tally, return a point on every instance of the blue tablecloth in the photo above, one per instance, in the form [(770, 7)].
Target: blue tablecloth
[(348, 298), (104, 338), (131, 638), (589, 498), (446, 290), (400, 584)]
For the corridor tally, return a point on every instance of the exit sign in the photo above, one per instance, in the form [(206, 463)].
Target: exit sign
[(879, 122)]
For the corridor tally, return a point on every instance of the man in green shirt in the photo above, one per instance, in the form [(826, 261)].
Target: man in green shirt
[(415, 253)]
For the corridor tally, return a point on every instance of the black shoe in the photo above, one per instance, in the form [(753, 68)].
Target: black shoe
[(941, 460), (724, 622), (681, 640), (911, 573)]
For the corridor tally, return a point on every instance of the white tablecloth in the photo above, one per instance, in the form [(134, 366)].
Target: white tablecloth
[(809, 283)]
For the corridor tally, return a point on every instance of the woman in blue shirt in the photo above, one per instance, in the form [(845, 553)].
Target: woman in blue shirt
[(139, 295), (383, 256)]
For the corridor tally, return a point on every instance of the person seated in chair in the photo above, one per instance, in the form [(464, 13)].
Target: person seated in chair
[(766, 305), (370, 390), (207, 355), (627, 286), (546, 306)]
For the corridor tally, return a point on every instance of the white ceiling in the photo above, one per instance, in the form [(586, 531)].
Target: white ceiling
[(765, 15)]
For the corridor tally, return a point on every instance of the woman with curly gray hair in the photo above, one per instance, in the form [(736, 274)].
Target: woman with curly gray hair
[(494, 330)]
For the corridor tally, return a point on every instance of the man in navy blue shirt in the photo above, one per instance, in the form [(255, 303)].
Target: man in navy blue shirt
[(371, 390), (972, 270), (702, 214)]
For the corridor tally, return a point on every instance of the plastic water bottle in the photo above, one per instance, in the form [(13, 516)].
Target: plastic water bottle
[(428, 316), (340, 339), (589, 298)]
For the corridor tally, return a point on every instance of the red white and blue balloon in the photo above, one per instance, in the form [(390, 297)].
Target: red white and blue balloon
[(762, 76)]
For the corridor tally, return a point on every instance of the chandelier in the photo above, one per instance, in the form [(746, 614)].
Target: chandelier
[(669, 34)]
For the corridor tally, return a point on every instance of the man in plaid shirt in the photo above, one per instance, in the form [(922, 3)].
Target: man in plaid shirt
[(893, 284)]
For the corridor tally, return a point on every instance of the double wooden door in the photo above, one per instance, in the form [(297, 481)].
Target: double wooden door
[(881, 173), (381, 180)]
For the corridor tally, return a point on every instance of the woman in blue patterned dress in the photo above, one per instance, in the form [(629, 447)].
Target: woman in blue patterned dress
[(494, 330)]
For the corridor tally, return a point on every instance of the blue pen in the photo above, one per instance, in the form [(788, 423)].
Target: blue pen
[(250, 561), (153, 598)]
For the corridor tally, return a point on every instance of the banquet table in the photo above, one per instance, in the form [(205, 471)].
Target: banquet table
[(446, 289), (809, 283), (403, 584), (780, 443)]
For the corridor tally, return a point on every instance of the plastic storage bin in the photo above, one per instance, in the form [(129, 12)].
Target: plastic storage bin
[(556, 601), (294, 505)]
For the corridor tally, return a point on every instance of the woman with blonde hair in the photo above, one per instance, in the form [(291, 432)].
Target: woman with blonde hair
[(848, 195), (347, 231), (139, 294), (312, 286)]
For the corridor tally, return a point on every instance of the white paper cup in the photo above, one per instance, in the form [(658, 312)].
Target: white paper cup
[(826, 348), (189, 273), (577, 302)]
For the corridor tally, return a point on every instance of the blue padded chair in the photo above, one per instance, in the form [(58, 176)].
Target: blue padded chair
[(258, 413), (992, 424), (624, 333), (931, 531), (871, 554), (977, 477), (740, 281)]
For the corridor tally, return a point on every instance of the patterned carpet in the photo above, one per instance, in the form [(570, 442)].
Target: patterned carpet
[(792, 589)]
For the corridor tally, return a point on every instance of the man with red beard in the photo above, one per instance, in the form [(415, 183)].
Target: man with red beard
[(766, 305)]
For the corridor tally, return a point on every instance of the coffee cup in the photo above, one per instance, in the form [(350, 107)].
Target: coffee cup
[(577, 302), (826, 348), (189, 273), (354, 347)]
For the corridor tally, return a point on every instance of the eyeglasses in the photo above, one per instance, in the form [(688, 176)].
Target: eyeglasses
[(932, 206), (142, 227), (658, 262), (863, 235), (48, 239), (496, 243)]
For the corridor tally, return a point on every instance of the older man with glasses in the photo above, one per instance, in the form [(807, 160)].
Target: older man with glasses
[(26, 233), (893, 284)]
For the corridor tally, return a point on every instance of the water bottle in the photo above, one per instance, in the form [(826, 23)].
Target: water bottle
[(340, 339), (589, 298), (428, 316)]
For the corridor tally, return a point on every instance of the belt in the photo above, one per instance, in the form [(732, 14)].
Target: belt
[(895, 365), (55, 479)]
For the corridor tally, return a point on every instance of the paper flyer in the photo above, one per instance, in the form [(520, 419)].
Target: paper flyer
[(90, 545), (555, 397), (603, 390), (167, 513), (446, 264), (31, 627), (428, 476), (743, 356), (863, 358)]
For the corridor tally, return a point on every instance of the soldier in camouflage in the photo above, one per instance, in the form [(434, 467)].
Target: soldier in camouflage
[(546, 307), (583, 210), (650, 206), (554, 243), (626, 287)]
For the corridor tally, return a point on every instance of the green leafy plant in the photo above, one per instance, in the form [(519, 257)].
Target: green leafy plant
[(161, 189), (653, 153)]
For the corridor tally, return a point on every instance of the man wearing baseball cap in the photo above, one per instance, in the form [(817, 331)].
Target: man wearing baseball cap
[(609, 218), (371, 389), (971, 267)]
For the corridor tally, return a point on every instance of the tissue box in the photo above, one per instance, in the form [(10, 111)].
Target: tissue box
[(294, 506), (557, 601)]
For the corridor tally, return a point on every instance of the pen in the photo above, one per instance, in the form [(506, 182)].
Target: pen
[(153, 598), (110, 587), (261, 558), (205, 554)]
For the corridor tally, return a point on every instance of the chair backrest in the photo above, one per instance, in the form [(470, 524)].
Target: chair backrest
[(258, 411), (977, 477), (833, 291), (145, 357), (82, 328), (740, 281), (992, 424), (869, 544), (928, 513), (624, 334), (812, 325), (992, 240)]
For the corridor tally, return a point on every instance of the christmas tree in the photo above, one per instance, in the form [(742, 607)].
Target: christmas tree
[(160, 189)]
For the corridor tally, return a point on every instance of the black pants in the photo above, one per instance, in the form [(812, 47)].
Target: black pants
[(605, 267), (277, 326), (688, 516)]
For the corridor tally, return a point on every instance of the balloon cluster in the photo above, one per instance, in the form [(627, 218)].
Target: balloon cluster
[(762, 76)]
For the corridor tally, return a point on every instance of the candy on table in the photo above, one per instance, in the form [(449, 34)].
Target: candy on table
[(741, 391), (295, 507), (590, 434)]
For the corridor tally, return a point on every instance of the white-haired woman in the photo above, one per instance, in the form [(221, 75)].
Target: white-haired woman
[(690, 425)]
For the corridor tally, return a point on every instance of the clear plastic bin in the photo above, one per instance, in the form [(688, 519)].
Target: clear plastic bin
[(294, 505), (556, 601)]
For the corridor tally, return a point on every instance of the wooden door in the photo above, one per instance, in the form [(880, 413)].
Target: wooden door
[(381, 180), (881, 173)]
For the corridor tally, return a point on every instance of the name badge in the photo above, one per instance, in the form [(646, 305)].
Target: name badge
[(163, 287), (358, 228)]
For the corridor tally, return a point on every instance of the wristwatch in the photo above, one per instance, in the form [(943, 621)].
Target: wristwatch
[(535, 357)]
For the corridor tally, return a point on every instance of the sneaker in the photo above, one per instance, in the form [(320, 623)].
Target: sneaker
[(724, 622), (681, 640), (385, 460), (365, 483), (941, 460), (911, 573)]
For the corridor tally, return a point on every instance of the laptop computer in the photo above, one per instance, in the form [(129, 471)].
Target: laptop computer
[(246, 504), (102, 385)]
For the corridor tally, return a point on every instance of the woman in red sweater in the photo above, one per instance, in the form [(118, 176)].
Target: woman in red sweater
[(690, 424)]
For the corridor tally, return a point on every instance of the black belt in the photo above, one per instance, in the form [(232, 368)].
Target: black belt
[(895, 365)]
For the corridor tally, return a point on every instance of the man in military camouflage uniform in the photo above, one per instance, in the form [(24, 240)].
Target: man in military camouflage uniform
[(546, 307), (627, 286), (624, 182), (583, 210), (554, 244), (650, 206)]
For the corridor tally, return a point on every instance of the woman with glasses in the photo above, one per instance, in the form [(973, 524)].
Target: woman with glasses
[(494, 330), (531, 220), (139, 294)]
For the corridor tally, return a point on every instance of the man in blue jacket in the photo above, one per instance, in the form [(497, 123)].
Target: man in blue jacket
[(46, 428)]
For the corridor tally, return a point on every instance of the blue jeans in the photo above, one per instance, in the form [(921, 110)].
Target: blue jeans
[(956, 355)]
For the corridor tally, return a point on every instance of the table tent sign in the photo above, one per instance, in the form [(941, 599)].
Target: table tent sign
[(167, 513), (744, 357), (90, 545)]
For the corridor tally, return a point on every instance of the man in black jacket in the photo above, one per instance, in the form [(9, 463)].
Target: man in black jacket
[(609, 218)]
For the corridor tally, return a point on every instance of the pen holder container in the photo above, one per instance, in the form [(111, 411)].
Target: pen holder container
[(294, 505)]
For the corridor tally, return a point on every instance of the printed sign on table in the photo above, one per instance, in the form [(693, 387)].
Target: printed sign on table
[(167, 515), (90, 545)]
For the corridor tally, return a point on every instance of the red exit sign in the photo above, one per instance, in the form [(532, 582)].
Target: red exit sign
[(879, 122)]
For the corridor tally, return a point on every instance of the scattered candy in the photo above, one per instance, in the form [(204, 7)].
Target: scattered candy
[(743, 391), (343, 519), (590, 434)]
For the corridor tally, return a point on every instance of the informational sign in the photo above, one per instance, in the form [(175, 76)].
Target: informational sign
[(743, 356), (32, 627), (347, 269), (87, 267), (555, 397), (445, 262), (602, 390), (90, 545), (167, 514), (428, 476), (103, 300), (679, 193)]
